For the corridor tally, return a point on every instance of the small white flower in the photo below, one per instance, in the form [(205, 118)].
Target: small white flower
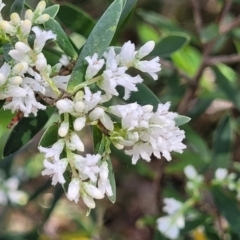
[(127, 54), (145, 49), (64, 60), (103, 183), (54, 151), (94, 66), (65, 106), (88, 200), (63, 129), (75, 143), (56, 170), (41, 38), (90, 99), (74, 190), (171, 205), (79, 123), (190, 172), (41, 63)]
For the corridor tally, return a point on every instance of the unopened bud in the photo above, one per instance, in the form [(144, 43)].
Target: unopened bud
[(79, 106), (96, 113), (15, 19), (42, 19), (7, 27), (147, 108), (79, 123), (74, 189), (16, 80), (88, 200), (26, 27), (3, 79), (145, 49), (65, 106), (76, 142), (93, 191), (20, 68), (63, 129), (29, 15), (41, 62), (22, 47), (40, 7)]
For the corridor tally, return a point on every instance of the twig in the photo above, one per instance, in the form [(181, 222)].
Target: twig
[(197, 16), (233, 58), (226, 28), (225, 9)]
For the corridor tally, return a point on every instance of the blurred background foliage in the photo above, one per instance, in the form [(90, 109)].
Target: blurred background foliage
[(199, 43)]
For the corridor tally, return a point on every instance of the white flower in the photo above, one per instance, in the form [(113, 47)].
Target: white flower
[(20, 53), (170, 227), (79, 123), (74, 190), (54, 152), (87, 166), (151, 67), (63, 129), (103, 183), (64, 60), (65, 106), (94, 66), (41, 38), (88, 200), (171, 205), (145, 49), (41, 63), (56, 170), (4, 73), (90, 99), (75, 143), (221, 174), (127, 54)]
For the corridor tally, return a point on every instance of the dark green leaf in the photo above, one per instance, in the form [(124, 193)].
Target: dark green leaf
[(222, 143), (62, 38), (228, 207), (143, 96), (1, 103), (112, 181), (127, 10), (25, 130), (17, 7), (77, 20), (209, 33), (180, 120), (52, 10), (97, 42), (50, 136), (170, 44), (98, 140), (229, 89), (6, 48)]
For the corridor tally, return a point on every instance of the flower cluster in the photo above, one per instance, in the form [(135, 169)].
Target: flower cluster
[(27, 72), (9, 191), (171, 224), (26, 78)]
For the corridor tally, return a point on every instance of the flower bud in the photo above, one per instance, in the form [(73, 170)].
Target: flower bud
[(147, 108), (221, 174), (79, 96), (74, 189), (79, 106), (88, 200), (79, 123), (3, 79), (16, 80), (93, 191), (65, 106), (22, 47), (76, 143), (190, 172), (40, 7), (26, 27), (41, 62), (63, 129), (20, 68), (145, 49), (29, 15), (96, 114), (42, 19), (15, 19), (8, 27)]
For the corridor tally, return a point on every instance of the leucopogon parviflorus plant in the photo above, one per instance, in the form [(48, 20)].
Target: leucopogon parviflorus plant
[(83, 87)]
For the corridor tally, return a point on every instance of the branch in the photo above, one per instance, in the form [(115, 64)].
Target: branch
[(225, 29), (233, 58), (225, 9), (197, 16)]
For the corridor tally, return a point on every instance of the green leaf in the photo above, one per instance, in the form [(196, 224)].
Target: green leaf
[(222, 143), (227, 87), (52, 10), (1, 103), (62, 39), (6, 48), (50, 136), (180, 120), (127, 10), (112, 181), (77, 19), (98, 140), (97, 42), (228, 207), (17, 7), (209, 33), (143, 90), (170, 44), (25, 130)]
